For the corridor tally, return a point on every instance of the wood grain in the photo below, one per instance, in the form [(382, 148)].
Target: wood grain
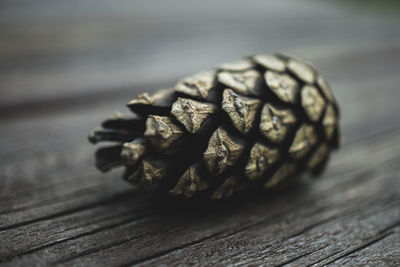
[(62, 72)]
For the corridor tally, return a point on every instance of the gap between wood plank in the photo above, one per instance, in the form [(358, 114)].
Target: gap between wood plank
[(333, 218), (363, 246), (66, 212), (130, 220)]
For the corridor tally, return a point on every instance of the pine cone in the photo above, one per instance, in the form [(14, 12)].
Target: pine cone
[(248, 124)]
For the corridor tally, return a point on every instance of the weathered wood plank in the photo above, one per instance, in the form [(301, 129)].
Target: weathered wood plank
[(55, 208), (65, 198), (239, 224), (267, 243), (383, 251), (333, 194)]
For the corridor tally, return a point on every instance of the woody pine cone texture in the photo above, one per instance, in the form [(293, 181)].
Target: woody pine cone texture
[(257, 122)]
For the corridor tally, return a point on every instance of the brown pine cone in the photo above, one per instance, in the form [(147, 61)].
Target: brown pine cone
[(252, 123)]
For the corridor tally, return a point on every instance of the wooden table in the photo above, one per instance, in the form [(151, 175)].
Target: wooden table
[(66, 65)]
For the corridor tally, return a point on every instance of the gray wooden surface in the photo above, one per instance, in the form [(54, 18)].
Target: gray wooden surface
[(65, 65)]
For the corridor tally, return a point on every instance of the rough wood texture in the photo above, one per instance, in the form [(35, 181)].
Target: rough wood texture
[(60, 73)]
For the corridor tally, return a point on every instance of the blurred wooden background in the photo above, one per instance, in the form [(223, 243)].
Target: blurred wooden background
[(64, 65)]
